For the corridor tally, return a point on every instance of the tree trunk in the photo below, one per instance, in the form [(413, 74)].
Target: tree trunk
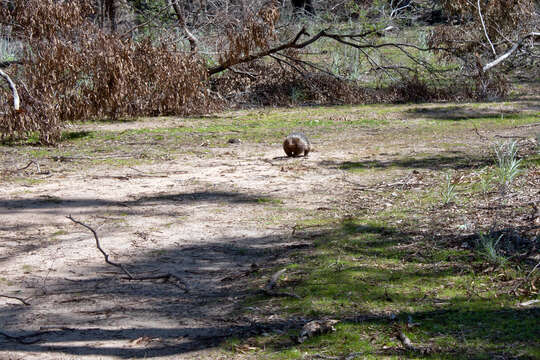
[(301, 6), (110, 10)]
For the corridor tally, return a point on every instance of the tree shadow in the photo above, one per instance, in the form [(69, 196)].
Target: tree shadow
[(460, 160), (459, 113), (406, 262), (82, 311), (128, 316), (55, 203), (24, 237)]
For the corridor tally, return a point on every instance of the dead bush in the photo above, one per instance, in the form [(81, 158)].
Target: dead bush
[(268, 84), (74, 71)]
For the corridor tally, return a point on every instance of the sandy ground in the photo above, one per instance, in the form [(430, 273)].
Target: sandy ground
[(211, 222)]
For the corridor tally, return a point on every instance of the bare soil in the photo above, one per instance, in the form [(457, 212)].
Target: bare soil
[(218, 222)]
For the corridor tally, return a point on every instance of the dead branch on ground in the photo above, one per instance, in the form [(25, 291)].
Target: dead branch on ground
[(408, 345), (269, 288), (15, 298), (23, 168), (165, 277)]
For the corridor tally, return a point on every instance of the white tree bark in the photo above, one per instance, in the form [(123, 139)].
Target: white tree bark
[(509, 52), (16, 99)]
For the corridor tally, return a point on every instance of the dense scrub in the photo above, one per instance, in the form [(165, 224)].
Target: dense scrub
[(80, 61), (72, 70)]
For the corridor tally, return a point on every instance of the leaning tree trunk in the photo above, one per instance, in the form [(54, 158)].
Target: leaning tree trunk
[(16, 99)]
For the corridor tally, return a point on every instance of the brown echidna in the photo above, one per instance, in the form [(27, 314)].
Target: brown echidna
[(296, 144)]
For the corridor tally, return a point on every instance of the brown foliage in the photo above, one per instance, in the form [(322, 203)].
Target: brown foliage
[(244, 37), (74, 71), (268, 84)]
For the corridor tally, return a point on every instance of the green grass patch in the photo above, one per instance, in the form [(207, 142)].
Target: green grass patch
[(373, 268)]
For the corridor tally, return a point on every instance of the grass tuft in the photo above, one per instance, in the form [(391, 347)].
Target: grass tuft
[(488, 247), (448, 192), (508, 166)]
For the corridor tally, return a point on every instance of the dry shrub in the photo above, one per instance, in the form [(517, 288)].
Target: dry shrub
[(268, 84), (414, 89), (74, 71)]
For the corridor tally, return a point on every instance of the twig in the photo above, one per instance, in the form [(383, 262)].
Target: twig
[(105, 255), (165, 276), (478, 133), (484, 27), (15, 298), (23, 168), (28, 165), (269, 288), (527, 125)]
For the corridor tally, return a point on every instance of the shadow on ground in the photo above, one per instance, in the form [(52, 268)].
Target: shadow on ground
[(395, 268), (88, 313), (7, 206), (83, 312), (458, 113), (377, 279), (458, 160)]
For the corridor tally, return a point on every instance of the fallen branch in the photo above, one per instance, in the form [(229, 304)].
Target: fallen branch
[(316, 327), (407, 343), (129, 276), (15, 298), (23, 168), (269, 288), (506, 55)]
